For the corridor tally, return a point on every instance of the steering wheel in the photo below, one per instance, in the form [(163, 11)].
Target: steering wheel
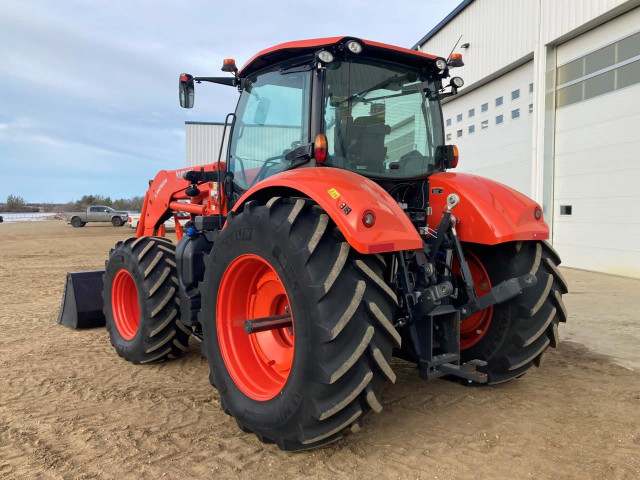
[(268, 163)]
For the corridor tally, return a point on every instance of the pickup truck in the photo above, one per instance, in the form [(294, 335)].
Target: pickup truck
[(97, 214)]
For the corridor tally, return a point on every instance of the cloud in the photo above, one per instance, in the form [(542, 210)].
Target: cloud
[(89, 88)]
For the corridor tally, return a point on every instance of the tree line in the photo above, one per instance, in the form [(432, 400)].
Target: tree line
[(16, 203)]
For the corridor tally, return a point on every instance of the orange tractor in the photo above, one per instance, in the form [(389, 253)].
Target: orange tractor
[(330, 238)]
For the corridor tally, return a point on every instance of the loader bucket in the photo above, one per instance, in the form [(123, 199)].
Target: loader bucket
[(82, 300)]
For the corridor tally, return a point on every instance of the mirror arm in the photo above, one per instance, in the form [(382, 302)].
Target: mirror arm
[(231, 81)]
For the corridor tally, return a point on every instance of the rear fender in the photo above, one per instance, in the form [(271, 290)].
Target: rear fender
[(488, 213), (345, 196)]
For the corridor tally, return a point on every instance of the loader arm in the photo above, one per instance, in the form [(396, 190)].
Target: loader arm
[(169, 194)]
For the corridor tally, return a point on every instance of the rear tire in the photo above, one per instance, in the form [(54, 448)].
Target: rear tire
[(76, 222), (341, 308), (523, 328), (141, 301)]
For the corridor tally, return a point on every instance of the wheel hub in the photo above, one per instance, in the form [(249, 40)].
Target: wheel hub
[(474, 327), (259, 363), (124, 304)]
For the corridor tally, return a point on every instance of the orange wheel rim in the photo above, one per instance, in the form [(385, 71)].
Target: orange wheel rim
[(259, 363), (124, 304), (474, 327)]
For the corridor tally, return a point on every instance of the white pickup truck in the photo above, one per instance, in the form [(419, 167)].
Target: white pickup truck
[(97, 213)]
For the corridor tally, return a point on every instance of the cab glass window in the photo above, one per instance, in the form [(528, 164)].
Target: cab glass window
[(272, 118), (381, 120)]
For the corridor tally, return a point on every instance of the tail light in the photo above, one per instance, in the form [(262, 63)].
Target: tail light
[(320, 148), (454, 162)]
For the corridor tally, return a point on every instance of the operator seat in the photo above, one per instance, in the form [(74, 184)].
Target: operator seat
[(365, 143)]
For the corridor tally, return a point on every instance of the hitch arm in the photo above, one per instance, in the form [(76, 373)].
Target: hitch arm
[(500, 293)]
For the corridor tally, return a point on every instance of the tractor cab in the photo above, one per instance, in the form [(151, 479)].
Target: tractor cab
[(347, 103)]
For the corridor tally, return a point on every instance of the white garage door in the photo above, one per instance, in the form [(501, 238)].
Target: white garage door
[(492, 127), (596, 221)]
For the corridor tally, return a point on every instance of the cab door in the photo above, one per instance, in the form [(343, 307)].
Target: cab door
[(272, 118)]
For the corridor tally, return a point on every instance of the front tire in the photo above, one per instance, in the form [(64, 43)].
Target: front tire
[(342, 336), (141, 301), (520, 330), (117, 221)]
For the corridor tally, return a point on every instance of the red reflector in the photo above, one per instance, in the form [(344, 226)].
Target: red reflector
[(537, 213), (184, 78), (382, 247), (455, 156), (320, 148), (368, 218)]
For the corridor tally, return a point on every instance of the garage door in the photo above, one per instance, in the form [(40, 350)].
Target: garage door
[(596, 222), (492, 127)]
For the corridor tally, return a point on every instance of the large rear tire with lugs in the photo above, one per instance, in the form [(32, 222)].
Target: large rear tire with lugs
[(304, 386), (141, 301), (515, 335)]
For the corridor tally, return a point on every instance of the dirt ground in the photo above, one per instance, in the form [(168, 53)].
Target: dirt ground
[(71, 408)]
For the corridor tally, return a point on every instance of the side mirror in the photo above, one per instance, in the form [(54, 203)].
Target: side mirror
[(186, 90), (262, 111), (447, 156)]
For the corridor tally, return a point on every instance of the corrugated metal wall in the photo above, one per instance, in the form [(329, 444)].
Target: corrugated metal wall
[(559, 17), (499, 31), (203, 143), (503, 31)]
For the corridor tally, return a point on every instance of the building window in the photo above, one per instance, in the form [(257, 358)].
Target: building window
[(484, 107), (498, 101), (484, 124), (448, 136), (459, 117), (472, 112), (515, 114), (472, 128), (459, 133), (499, 119), (531, 108), (609, 68), (515, 94), (448, 122), (531, 88)]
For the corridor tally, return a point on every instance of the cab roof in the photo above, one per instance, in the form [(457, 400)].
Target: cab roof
[(285, 51)]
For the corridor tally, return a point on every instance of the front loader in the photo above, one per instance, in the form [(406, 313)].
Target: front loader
[(332, 237)]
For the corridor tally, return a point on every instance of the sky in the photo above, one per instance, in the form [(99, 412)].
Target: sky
[(88, 88)]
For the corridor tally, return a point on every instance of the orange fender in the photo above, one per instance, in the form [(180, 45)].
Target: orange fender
[(489, 212), (345, 196)]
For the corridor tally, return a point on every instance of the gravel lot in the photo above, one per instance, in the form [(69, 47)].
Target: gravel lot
[(71, 408)]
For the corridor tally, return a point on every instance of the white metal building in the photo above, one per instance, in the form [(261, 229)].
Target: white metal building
[(551, 107), (203, 142)]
